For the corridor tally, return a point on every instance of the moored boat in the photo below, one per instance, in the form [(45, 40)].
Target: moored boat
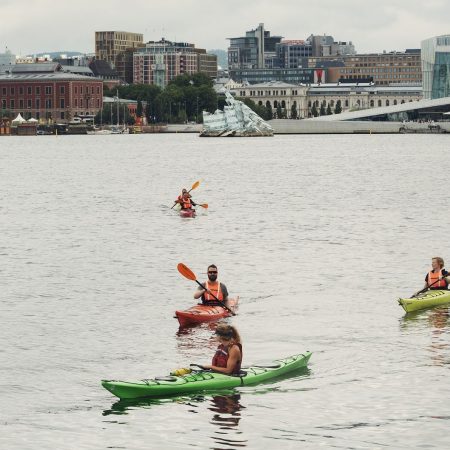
[(205, 380), (426, 300), (205, 313)]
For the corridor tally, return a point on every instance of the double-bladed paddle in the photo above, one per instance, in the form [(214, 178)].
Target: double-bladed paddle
[(194, 186), (426, 288), (187, 273)]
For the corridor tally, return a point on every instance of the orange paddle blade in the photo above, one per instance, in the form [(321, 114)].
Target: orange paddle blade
[(204, 205), (186, 272), (195, 185)]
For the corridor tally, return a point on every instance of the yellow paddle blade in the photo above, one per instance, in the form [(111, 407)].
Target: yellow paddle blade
[(186, 272), (204, 205), (195, 185)]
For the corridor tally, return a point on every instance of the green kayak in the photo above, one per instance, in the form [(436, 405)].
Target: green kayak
[(204, 380), (426, 300)]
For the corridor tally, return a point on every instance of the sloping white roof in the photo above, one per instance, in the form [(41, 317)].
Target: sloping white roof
[(403, 107)]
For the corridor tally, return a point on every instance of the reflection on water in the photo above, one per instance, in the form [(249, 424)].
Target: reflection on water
[(435, 320)]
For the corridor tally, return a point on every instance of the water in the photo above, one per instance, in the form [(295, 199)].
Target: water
[(317, 234)]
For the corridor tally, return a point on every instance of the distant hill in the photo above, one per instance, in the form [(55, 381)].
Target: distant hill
[(222, 57)]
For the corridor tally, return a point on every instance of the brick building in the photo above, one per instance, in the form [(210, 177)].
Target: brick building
[(44, 92)]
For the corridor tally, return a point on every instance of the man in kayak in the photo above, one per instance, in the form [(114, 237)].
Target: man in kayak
[(211, 289), (228, 356), (437, 277), (185, 200)]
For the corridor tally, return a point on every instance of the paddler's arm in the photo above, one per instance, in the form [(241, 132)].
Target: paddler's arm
[(233, 357), (199, 292)]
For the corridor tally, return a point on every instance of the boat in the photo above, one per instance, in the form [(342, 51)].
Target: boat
[(205, 380), (205, 313), (189, 213), (428, 299)]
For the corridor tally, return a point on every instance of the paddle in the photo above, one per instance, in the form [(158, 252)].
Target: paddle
[(194, 186), (425, 288), (187, 273)]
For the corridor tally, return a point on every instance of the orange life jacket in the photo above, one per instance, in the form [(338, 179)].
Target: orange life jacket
[(186, 203), (220, 358), (433, 278), (215, 289)]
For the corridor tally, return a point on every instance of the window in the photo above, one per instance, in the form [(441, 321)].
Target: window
[(11, 104), (38, 103), (76, 90), (62, 115), (4, 91), (21, 90), (48, 103), (61, 90), (13, 91), (61, 104), (48, 90), (38, 90), (395, 102), (29, 103), (379, 102), (21, 103), (387, 102), (3, 104), (29, 90)]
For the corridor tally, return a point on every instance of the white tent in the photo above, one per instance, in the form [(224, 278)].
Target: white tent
[(32, 120), (19, 119)]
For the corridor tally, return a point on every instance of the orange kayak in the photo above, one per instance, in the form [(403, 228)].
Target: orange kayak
[(205, 313)]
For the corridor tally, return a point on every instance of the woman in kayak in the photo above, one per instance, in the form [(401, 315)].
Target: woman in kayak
[(212, 288), (228, 356), (437, 277)]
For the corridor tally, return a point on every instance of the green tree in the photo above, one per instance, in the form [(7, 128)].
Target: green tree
[(314, 111), (294, 113), (279, 112), (338, 108), (322, 108), (329, 112), (269, 111), (139, 108)]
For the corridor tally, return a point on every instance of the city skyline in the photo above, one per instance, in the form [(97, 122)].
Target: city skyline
[(73, 25)]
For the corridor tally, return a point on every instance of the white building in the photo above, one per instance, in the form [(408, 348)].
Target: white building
[(303, 98)]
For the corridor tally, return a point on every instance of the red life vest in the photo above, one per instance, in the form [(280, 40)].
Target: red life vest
[(186, 203), (215, 289), (433, 277), (220, 358)]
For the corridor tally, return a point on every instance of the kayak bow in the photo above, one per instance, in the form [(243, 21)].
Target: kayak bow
[(426, 300)]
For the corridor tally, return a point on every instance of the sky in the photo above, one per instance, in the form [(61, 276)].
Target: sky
[(35, 26)]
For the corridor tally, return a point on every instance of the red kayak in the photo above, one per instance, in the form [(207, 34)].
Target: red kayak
[(205, 313), (188, 213)]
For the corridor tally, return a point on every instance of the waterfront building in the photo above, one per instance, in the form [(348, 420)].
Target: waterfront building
[(436, 67), (117, 47), (43, 91), (350, 97), (381, 68), (161, 61), (253, 50), (293, 76)]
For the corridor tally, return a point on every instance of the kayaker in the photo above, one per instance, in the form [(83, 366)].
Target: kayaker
[(185, 200), (437, 277), (228, 356), (212, 286)]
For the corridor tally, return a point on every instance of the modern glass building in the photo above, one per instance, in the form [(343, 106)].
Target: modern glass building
[(436, 67)]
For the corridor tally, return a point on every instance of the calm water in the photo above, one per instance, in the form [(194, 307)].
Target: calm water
[(318, 235)]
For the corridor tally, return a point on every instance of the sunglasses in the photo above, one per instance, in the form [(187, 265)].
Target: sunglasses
[(212, 273)]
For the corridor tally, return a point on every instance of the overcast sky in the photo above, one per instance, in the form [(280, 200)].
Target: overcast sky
[(33, 26)]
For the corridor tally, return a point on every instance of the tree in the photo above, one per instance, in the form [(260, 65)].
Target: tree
[(294, 114), (261, 110), (314, 111), (338, 108), (322, 108), (269, 111), (279, 112), (329, 112), (139, 108)]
